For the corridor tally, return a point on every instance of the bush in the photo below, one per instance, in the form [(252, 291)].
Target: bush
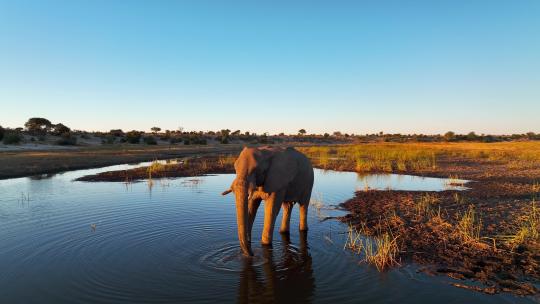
[(12, 138), (67, 140), (150, 140), (133, 137), (175, 140), (1, 132), (108, 140)]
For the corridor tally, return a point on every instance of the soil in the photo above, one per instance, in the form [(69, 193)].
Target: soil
[(500, 195)]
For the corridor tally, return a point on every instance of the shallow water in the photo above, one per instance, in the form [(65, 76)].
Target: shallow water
[(63, 241)]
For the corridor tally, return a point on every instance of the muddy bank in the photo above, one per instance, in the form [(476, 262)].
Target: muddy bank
[(476, 235), (29, 163), (190, 166)]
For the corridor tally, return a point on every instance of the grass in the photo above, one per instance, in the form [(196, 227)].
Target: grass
[(529, 230), (382, 251), (155, 168), (424, 205), (469, 226), (406, 157), (226, 160), (372, 157)]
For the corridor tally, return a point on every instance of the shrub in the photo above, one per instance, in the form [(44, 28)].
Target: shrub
[(108, 140), (1, 132), (133, 137), (67, 139), (12, 138), (150, 140), (174, 140)]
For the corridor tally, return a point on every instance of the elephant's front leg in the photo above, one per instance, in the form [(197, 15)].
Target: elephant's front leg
[(253, 205), (271, 210)]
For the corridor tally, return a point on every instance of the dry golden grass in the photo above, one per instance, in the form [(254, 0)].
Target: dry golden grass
[(396, 157), (424, 205), (469, 226), (529, 230), (382, 250), (155, 168)]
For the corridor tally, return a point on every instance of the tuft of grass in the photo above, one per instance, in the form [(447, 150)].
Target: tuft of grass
[(453, 180), (382, 251), (469, 226), (529, 230), (535, 188), (226, 160), (155, 168), (424, 205)]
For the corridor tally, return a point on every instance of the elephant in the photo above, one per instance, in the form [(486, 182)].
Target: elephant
[(280, 177)]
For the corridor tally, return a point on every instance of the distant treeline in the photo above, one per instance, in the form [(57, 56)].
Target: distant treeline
[(39, 129)]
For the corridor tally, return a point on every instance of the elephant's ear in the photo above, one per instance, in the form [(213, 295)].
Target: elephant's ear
[(282, 170)]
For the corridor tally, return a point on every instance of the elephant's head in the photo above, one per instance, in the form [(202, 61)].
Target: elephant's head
[(255, 168)]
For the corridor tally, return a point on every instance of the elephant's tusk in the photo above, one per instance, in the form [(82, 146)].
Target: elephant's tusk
[(226, 192)]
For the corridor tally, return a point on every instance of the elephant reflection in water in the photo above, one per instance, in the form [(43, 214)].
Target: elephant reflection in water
[(292, 283)]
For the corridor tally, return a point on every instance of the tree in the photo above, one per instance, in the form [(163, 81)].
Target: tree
[(337, 134), (225, 136), (38, 125), (326, 135), (2, 131), (302, 131), (155, 129), (449, 136), (236, 133), (116, 132), (59, 129), (472, 136)]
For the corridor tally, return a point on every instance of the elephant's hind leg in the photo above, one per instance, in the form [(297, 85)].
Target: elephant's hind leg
[(286, 217), (304, 204), (303, 217)]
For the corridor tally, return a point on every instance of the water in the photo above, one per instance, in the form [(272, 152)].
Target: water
[(63, 242)]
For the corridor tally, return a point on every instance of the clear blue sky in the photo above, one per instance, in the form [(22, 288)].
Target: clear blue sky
[(273, 66)]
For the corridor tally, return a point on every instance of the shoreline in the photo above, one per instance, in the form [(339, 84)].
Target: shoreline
[(16, 164)]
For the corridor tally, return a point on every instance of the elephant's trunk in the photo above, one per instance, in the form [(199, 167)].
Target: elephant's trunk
[(242, 218)]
